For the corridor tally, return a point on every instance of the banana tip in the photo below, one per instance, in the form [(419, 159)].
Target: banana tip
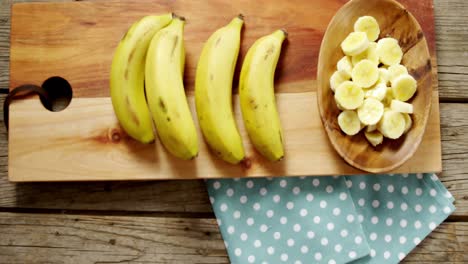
[(285, 32), (175, 16), (240, 16)]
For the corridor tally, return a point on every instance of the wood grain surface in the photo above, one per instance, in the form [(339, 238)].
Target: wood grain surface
[(86, 33), (88, 131), (444, 245), (83, 148), (452, 38), (116, 239), (190, 196)]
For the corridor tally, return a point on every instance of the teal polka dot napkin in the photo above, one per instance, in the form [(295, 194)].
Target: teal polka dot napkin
[(398, 211), (359, 219)]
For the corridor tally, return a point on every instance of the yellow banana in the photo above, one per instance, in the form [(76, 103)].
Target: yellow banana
[(257, 95), (165, 91), (213, 92), (127, 77)]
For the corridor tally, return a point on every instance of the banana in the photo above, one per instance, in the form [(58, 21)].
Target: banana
[(401, 107), (369, 54), (355, 43), (213, 92), (345, 67), (384, 76), (408, 122), (392, 125), (348, 122), (389, 51), (360, 85), (349, 95), (339, 106), (388, 97), (371, 128), (336, 79), (371, 111), (368, 25), (379, 91), (396, 71), (375, 138), (127, 77), (165, 91), (365, 73), (404, 87), (257, 95)]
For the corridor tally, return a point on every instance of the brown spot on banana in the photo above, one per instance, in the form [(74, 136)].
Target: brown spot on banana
[(174, 45), (130, 57), (126, 74), (211, 77), (217, 41), (162, 105), (133, 115), (253, 103), (269, 51)]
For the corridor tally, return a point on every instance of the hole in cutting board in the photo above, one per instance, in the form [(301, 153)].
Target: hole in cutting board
[(59, 93)]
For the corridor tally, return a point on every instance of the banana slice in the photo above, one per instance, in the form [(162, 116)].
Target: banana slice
[(369, 54), (392, 125), (384, 76), (396, 71), (408, 122), (355, 43), (336, 79), (404, 87), (339, 106), (378, 92), (368, 25), (349, 95), (388, 97), (345, 67), (371, 128), (401, 107), (375, 138), (362, 126), (349, 122), (365, 73), (371, 111), (389, 51)]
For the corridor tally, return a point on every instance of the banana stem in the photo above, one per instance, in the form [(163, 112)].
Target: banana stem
[(285, 32), (175, 16)]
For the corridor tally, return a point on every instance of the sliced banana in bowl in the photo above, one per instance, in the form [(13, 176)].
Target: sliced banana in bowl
[(374, 84)]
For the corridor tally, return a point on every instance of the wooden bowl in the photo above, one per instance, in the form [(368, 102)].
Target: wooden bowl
[(397, 22)]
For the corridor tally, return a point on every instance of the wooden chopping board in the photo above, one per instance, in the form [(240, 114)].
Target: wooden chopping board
[(76, 40)]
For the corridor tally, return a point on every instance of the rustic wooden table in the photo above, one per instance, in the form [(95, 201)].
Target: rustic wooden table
[(172, 221)]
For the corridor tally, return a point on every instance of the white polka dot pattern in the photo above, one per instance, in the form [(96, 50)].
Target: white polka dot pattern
[(398, 212), (322, 219), (288, 220)]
